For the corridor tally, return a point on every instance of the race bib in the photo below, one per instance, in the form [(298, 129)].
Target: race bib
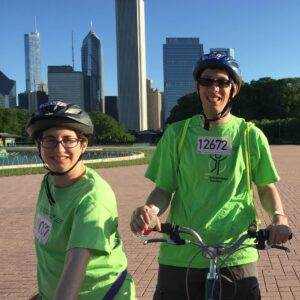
[(214, 145), (42, 229)]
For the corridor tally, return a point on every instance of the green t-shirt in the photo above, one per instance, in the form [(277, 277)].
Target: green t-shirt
[(84, 216), (209, 181)]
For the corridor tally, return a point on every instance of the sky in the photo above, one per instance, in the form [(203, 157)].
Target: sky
[(264, 33)]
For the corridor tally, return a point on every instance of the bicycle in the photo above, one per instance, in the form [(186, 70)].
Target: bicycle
[(213, 252)]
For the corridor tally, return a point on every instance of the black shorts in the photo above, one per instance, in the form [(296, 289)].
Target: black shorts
[(238, 282)]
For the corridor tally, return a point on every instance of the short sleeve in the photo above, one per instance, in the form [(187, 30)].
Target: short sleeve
[(263, 168), (163, 167)]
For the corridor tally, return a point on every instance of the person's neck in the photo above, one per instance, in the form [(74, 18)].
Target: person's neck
[(221, 121), (71, 177)]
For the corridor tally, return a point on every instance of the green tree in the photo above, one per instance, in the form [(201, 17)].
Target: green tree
[(265, 98), (108, 130), (187, 106), (268, 98), (13, 121)]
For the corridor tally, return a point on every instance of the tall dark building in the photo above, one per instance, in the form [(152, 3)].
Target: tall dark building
[(111, 106), (7, 91), (92, 70), (23, 100), (32, 100)]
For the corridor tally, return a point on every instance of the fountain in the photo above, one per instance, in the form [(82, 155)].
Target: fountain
[(3, 152), (31, 159)]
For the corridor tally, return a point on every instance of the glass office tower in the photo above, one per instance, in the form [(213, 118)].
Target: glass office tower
[(33, 72), (179, 58), (131, 60), (65, 83), (92, 70)]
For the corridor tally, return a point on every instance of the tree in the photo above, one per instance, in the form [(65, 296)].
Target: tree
[(267, 98), (187, 106), (14, 121), (108, 130)]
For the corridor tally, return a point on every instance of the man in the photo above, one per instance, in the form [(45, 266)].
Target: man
[(206, 181)]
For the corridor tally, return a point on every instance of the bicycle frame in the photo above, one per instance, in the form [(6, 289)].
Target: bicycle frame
[(211, 279)]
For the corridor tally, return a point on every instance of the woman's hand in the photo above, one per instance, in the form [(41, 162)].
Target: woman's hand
[(73, 274)]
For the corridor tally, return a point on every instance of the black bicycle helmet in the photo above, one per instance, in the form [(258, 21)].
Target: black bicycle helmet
[(219, 60), (59, 114)]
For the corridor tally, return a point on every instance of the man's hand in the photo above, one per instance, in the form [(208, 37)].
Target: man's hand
[(140, 219), (279, 230)]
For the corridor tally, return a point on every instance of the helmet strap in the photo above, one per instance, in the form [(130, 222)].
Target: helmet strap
[(226, 110), (47, 188), (46, 183)]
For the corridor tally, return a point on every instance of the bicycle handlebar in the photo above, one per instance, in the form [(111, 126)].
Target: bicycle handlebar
[(173, 230), (212, 252)]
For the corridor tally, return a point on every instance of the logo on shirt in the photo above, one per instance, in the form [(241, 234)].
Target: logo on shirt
[(216, 165)]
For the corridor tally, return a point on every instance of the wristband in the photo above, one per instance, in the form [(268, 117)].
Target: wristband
[(278, 213)]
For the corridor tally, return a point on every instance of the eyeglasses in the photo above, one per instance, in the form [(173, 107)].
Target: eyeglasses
[(221, 83), (67, 142)]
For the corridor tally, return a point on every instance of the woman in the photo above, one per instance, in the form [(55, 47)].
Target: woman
[(78, 248)]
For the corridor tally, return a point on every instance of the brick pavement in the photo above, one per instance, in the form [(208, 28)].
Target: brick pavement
[(279, 273)]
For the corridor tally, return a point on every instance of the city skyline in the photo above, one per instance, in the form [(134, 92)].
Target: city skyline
[(264, 34)]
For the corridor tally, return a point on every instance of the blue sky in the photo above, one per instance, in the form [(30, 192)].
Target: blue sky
[(265, 34)]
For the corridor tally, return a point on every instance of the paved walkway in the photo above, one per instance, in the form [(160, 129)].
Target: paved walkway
[(279, 273)]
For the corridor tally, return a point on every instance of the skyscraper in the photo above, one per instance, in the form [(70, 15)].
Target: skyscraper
[(131, 59), (32, 61), (7, 91), (32, 100), (154, 107), (111, 106), (179, 56), (92, 70), (65, 84)]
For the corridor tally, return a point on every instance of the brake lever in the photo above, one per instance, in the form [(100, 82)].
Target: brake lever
[(286, 249), (271, 246), (145, 242), (172, 242)]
